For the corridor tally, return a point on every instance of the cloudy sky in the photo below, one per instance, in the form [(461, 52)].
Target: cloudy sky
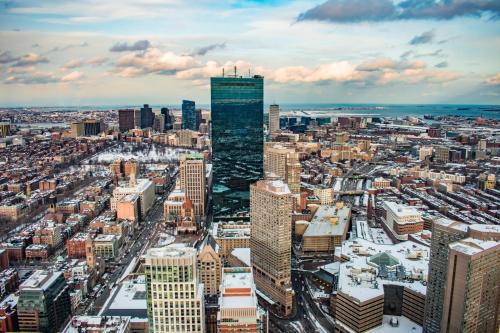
[(94, 52)]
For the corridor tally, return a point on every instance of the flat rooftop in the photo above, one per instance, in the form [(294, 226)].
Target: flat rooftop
[(401, 210), (322, 224), (370, 265), (231, 230), (170, 252), (96, 324), (405, 325), (142, 185), (243, 254), (446, 222), (104, 238), (238, 288), (472, 246), (40, 280), (128, 299), (275, 186)]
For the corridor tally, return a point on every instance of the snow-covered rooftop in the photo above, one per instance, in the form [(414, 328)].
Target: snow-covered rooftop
[(362, 276), (322, 224)]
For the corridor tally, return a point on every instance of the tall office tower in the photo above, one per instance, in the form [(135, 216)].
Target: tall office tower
[(209, 266), (238, 302), (442, 154), (93, 127), (159, 122), (274, 118), (168, 120), (4, 129), (423, 152), (282, 162), (444, 232), (77, 129), (271, 240), (87, 127), (189, 115), (147, 116), (44, 304), (174, 294), (237, 140), (126, 119), (137, 119), (199, 119), (471, 297), (192, 181)]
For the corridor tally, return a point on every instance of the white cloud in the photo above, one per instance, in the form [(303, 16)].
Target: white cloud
[(21, 70), (73, 76), (384, 63), (74, 63), (494, 80), (418, 75), (90, 11), (32, 78), (152, 61), (338, 71)]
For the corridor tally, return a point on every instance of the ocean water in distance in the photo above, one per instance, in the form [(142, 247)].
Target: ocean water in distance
[(399, 110), (383, 110)]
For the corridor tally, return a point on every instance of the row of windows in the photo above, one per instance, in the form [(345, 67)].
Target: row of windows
[(177, 328), (172, 295)]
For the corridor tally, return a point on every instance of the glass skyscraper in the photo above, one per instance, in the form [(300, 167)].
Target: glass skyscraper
[(237, 140), (147, 116), (189, 115)]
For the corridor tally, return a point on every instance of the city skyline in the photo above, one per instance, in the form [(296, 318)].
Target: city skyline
[(128, 52)]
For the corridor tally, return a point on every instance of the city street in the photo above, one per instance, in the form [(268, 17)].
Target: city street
[(308, 317), (134, 248)]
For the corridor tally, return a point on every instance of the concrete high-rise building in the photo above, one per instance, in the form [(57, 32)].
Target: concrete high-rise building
[(198, 118), (423, 152), (238, 302), (189, 115), (126, 119), (471, 293), (159, 122), (174, 294), (237, 114), (444, 232), (144, 188), (486, 181), (77, 129), (4, 129), (274, 118), (271, 206), (209, 266), (192, 181), (442, 154), (283, 162), (463, 287), (44, 304), (137, 119), (341, 137), (482, 144), (147, 116), (86, 127)]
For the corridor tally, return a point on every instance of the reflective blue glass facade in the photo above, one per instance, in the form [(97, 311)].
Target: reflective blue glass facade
[(237, 140), (189, 115)]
